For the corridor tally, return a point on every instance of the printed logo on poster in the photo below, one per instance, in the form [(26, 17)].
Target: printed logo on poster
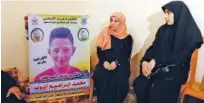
[(35, 21), (84, 20)]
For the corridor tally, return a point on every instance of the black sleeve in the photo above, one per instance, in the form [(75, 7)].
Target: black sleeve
[(101, 55), (152, 50), (7, 80), (129, 46)]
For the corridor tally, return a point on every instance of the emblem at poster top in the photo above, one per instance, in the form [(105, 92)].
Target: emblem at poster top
[(34, 21), (84, 20)]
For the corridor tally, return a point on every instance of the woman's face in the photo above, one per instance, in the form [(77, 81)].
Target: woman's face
[(169, 17), (114, 23), (37, 36), (61, 50)]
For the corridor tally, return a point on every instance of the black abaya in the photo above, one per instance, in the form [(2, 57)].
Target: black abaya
[(174, 44), (113, 86)]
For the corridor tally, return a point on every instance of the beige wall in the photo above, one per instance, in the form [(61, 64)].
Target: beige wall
[(143, 19)]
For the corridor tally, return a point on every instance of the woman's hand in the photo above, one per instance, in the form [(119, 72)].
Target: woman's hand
[(152, 63), (146, 68), (110, 66), (113, 65), (14, 90), (107, 65)]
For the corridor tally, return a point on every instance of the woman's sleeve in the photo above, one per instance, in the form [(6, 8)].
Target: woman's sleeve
[(101, 55), (129, 46), (152, 50), (8, 80)]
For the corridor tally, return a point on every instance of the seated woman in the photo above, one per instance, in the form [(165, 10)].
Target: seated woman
[(111, 75), (61, 49), (172, 48)]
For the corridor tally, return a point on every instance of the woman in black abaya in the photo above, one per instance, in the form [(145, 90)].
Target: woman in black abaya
[(111, 75), (173, 46)]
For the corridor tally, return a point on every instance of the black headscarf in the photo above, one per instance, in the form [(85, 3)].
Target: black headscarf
[(185, 30)]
